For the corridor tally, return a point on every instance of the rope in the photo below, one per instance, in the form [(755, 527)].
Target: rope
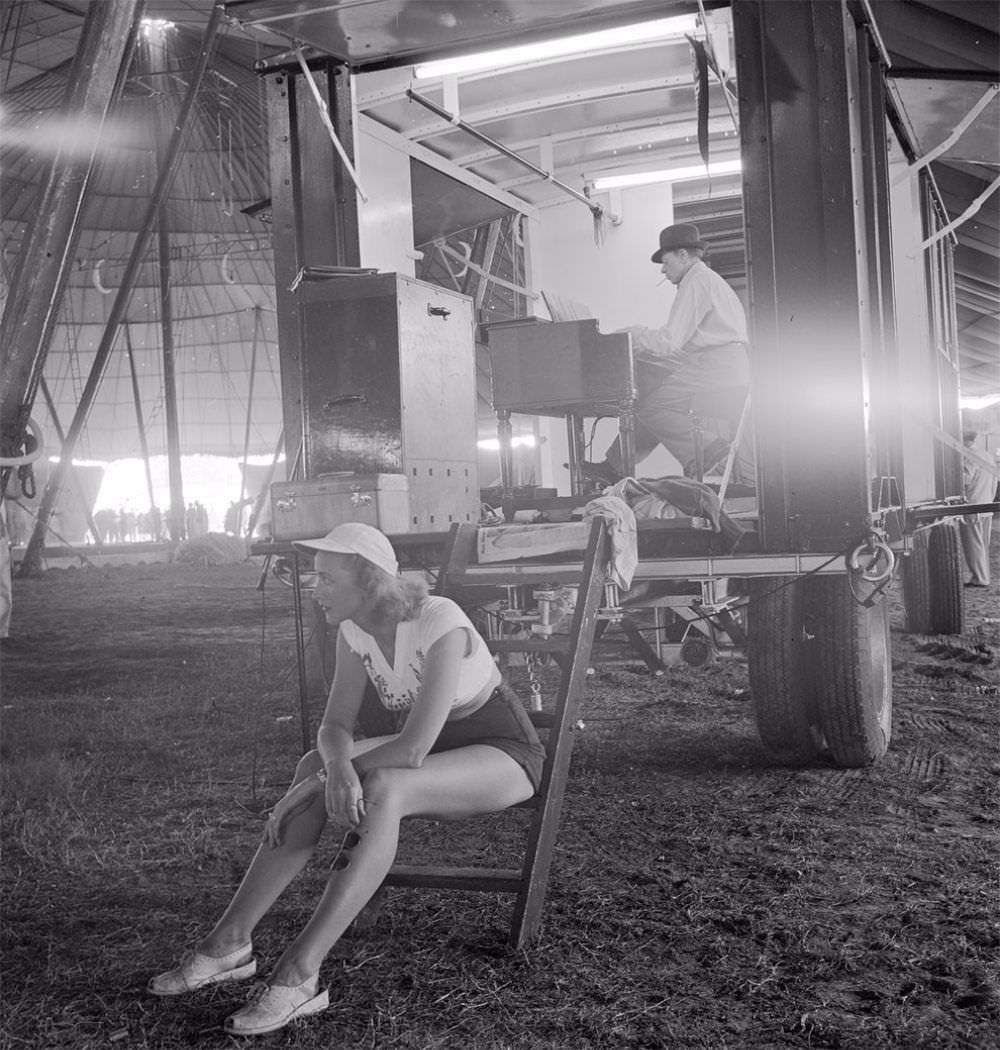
[(469, 265), (957, 132), (873, 598), (972, 209), (34, 448), (49, 528), (324, 116)]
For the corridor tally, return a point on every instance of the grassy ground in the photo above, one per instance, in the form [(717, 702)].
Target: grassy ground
[(701, 896)]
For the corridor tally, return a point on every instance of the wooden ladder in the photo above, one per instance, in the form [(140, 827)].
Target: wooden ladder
[(556, 721)]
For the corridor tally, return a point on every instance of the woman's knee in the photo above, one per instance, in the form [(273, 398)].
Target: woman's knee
[(383, 786)]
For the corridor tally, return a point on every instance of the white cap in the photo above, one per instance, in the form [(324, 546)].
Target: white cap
[(353, 537)]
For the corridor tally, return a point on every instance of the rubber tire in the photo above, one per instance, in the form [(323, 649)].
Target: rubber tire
[(945, 562), (854, 671), (916, 572), (781, 680), (696, 650)]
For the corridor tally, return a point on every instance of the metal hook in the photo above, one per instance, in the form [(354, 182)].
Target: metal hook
[(873, 550)]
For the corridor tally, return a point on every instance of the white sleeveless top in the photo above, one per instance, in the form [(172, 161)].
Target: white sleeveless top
[(399, 685)]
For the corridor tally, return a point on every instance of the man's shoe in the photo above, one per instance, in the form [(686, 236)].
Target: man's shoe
[(972, 583), (272, 1006), (603, 472), (196, 971)]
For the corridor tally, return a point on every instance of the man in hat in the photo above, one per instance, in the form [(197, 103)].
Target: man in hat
[(689, 368)]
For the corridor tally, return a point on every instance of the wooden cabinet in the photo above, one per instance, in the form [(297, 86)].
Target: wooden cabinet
[(388, 386)]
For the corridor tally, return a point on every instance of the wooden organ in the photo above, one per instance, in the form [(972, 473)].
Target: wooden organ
[(562, 368)]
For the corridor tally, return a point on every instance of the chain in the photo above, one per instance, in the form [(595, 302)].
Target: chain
[(534, 685)]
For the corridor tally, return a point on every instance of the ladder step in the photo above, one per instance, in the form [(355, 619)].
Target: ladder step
[(560, 644), (497, 880), (542, 719), (516, 576)]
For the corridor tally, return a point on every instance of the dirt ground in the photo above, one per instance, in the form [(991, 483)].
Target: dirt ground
[(701, 896)]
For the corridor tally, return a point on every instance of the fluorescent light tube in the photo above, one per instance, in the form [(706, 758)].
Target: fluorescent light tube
[(547, 50), (643, 178), (976, 403)]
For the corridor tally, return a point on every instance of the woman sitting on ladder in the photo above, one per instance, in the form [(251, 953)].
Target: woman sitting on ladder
[(467, 747)]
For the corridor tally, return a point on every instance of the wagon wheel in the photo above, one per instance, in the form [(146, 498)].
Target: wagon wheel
[(781, 681), (854, 679), (944, 557), (917, 587)]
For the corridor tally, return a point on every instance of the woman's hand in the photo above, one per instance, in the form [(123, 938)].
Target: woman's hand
[(344, 794), (298, 798)]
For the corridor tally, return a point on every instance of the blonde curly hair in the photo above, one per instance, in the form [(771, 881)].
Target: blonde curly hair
[(393, 598)]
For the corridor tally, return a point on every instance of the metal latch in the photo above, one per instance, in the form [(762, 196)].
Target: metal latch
[(359, 498)]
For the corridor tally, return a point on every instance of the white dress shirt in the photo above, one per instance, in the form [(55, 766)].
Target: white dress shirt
[(705, 313)]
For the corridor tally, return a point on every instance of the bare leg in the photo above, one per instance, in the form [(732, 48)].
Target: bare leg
[(465, 782), (274, 867), (270, 871)]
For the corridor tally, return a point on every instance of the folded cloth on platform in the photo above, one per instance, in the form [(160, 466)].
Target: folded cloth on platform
[(692, 498), (622, 530)]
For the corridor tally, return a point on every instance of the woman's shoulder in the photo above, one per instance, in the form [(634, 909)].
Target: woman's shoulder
[(440, 613), (438, 605)]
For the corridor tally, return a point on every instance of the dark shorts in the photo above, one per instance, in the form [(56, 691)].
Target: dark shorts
[(501, 722)]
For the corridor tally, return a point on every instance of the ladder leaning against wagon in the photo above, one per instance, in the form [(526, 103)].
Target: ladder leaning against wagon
[(554, 709)]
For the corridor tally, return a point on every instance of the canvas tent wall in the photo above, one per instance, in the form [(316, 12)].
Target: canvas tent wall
[(217, 256)]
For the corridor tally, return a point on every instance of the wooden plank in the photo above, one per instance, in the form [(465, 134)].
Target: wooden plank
[(519, 576), (495, 880), (542, 834), (573, 651), (554, 644), (441, 583), (500, 543), (541, 720)]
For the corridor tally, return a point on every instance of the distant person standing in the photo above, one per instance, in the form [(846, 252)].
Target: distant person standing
[(6, 561), (681, 368), (980, 484)]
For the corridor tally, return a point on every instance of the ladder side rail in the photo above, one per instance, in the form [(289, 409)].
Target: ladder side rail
[(455, 555), (542, 833)]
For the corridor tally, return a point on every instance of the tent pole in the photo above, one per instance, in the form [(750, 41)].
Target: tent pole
[(266, 486), (95, 83), (33, 552), (253, 377), (139, 418), (84, 502), (176, 517)]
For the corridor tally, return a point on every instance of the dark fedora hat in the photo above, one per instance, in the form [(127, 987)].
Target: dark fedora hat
[(681, 235)]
